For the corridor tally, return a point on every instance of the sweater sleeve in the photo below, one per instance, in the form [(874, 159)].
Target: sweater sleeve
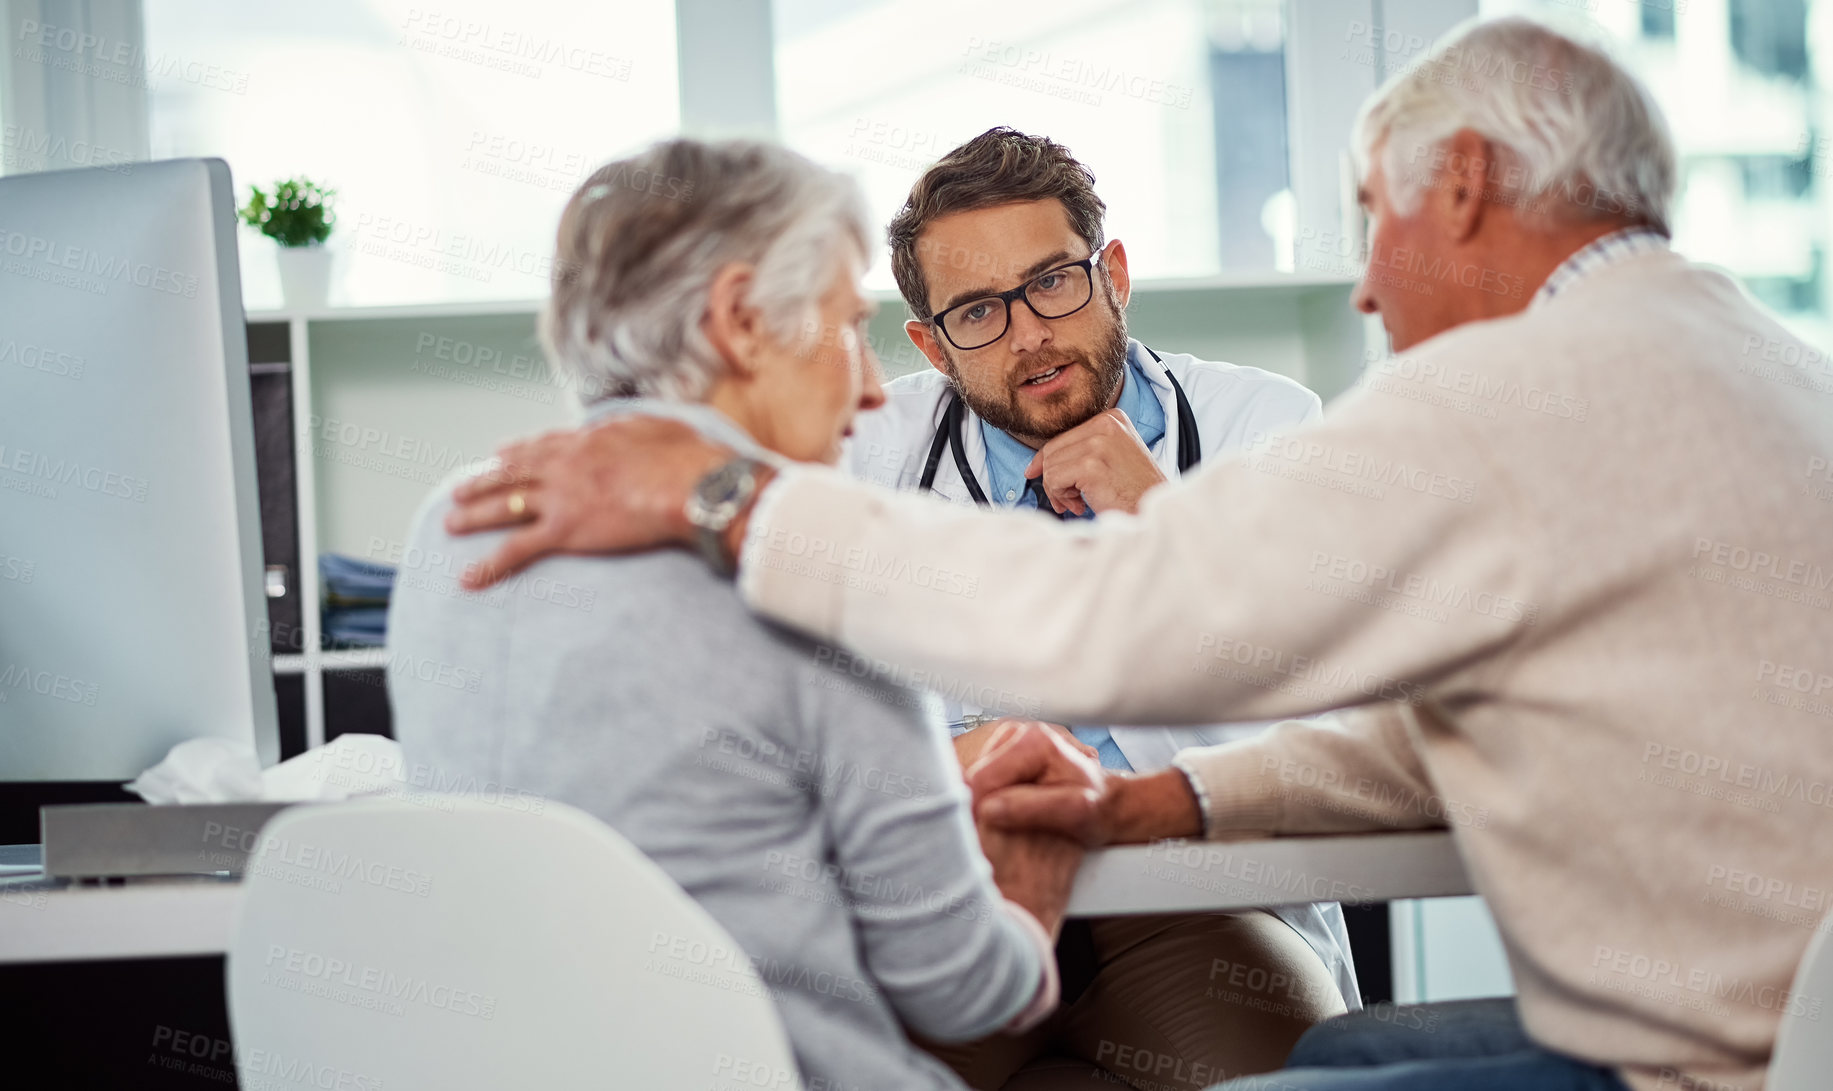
[(1359, 559), (1355, 770), (955, 960)]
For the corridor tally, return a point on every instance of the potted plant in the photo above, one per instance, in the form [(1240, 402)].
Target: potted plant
[(298, 216)]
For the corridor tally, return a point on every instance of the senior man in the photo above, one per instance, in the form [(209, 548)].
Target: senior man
[(1019, 304), (1630, 592)]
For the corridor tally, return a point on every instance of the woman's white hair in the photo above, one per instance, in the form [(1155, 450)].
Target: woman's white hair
[(641, 240), (1576, 135)]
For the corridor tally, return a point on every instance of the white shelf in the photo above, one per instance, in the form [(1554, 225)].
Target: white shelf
[(353, 659), (1227, 281), (410, 310), (1232, 282), (1246, 282)]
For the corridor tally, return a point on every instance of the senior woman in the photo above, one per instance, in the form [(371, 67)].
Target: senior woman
[(819, 817)]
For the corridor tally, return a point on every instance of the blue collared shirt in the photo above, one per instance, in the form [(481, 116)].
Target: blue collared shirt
[(1007, 457), (1006, 462)]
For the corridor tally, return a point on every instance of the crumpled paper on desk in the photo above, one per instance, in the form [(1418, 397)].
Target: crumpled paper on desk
[(218, 770)]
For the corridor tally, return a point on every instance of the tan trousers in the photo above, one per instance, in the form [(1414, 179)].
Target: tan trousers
[(1177, 1003)]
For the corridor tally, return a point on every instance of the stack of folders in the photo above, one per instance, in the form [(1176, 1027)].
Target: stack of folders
[(356, 600)]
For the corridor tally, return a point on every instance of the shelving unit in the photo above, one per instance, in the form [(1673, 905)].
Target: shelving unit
[(347, 659), (386, 401)]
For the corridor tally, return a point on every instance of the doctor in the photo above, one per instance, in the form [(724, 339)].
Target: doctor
[(1020, 308), (1021, 311)]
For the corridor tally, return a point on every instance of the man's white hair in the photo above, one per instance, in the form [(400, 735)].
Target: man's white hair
[(1576, 134), (642, 238)]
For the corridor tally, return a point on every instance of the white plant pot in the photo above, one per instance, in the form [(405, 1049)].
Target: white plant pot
[(305, 276)]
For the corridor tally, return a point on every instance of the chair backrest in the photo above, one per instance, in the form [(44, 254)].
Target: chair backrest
[(1803, 1056), (452, 943)]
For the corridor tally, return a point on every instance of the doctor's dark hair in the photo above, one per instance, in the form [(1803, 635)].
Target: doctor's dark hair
[(999, 167), (641, 240)]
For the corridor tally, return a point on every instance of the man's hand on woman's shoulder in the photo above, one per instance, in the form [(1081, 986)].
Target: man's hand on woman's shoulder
[(620, 486)]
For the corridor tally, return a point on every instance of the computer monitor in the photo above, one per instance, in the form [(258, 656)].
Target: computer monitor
[(132, 614)]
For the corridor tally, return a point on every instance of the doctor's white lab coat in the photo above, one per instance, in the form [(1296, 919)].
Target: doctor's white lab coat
[(1235, 407)]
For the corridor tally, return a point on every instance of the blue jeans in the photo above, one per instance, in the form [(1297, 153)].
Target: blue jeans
[(1465, 1045)]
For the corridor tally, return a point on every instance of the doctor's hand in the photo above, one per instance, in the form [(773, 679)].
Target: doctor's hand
[(616, 487), (970, 745), (1100, 464)]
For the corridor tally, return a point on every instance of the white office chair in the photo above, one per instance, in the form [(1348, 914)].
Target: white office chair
[(399, 946), (1803, 1056)]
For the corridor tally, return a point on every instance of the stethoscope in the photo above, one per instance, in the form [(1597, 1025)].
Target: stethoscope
[(948, 434)]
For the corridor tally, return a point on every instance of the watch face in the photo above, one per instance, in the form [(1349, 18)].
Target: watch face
[(724, 485), (717, 498)]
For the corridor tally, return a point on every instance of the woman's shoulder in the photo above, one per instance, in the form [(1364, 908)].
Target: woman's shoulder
[(839, 688)]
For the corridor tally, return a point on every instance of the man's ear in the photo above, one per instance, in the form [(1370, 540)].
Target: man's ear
[(732, 325), (1461, 189), (1114, 260), (923, 336)]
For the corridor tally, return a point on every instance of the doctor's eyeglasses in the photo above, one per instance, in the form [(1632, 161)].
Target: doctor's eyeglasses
[(1058, 293)]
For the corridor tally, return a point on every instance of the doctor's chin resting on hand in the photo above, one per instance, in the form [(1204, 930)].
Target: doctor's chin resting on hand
[(1576, 390)]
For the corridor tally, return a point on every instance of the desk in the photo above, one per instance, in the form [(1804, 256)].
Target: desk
[(148, 919), (157, 919), (1216, 876)]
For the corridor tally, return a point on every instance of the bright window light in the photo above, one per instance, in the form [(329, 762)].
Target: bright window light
[(453, 133)]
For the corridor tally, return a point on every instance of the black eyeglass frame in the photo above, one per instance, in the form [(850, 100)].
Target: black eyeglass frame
[(1020, 293)]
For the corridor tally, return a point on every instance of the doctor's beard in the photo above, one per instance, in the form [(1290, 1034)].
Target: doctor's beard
[(999, 403)]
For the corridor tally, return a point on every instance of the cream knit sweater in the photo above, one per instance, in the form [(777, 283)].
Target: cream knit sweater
[(1575, 566)]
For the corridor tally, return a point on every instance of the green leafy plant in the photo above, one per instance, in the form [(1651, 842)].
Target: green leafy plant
[(298, 213)]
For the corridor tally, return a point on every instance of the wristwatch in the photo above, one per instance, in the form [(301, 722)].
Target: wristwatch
[(717, 500)]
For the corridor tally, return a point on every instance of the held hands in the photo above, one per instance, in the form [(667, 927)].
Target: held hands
[(1100, 464), (1033, 865), (616, 487), (1032, 778), (970, 745), (1036, 870)]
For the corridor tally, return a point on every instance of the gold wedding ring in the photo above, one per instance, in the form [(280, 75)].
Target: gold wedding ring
[(518, 504)]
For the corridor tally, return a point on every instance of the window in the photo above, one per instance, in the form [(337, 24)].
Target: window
[(1657, 19), (1739, 91), (1178, 106), (1247, 79), (1770, 36), (453, 133)]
